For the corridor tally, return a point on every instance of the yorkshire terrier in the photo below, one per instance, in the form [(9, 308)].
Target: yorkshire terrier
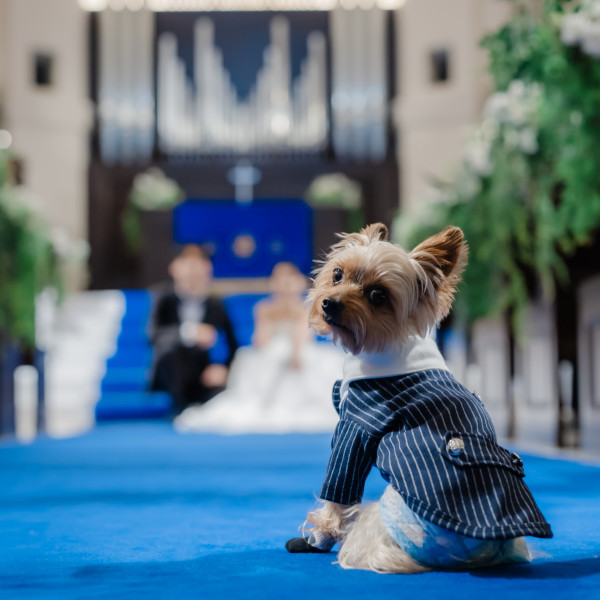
[(455, 499)]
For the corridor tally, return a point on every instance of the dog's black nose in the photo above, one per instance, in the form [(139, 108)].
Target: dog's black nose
[(332, 306)]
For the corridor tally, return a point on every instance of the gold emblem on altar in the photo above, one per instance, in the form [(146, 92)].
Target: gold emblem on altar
[(244, 246)]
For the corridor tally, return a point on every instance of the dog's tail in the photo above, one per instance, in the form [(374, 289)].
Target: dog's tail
[(369, 546)]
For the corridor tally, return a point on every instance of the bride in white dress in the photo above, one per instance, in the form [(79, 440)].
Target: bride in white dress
[(280, 384)]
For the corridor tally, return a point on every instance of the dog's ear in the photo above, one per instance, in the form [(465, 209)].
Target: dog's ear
[(442, 251), (442, 259)]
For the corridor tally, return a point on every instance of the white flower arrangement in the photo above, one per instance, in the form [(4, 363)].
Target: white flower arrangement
[(477, 153), (516, 112), (24, 207), (583, 28), (335, 189), (152, 190), (69, 248), (510, 114)]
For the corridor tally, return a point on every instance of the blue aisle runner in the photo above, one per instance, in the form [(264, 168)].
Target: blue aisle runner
[(138, 511)]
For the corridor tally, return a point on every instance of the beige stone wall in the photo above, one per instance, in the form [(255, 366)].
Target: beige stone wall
[(433, 119), (49, 125), (3, 47)]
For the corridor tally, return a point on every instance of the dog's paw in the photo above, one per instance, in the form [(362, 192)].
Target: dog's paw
[(300, 545)]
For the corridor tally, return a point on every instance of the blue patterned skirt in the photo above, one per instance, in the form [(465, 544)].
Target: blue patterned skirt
[(439, 548)]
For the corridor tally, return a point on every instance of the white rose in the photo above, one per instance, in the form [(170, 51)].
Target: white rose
[(528, 141), (572, 29), (496, 107), (512, 139), (594, 10)]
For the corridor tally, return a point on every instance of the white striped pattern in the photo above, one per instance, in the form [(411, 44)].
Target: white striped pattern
[(402, 424)]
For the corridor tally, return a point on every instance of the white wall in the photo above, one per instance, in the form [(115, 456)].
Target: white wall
[(49, 125), (434, 118)]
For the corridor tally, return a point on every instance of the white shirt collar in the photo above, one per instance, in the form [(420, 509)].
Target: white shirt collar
[(416, 354)]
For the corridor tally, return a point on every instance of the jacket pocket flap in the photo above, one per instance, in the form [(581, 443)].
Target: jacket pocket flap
[(473, 450)]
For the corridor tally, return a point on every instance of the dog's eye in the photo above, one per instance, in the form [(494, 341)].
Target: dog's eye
[(377, 296), (337, 276)]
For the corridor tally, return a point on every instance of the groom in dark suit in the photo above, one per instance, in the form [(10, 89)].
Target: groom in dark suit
[(185, 325)]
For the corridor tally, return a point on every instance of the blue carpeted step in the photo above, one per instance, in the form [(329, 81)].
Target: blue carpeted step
[(130, 356), (138, 302), (125, 379), (133, 335), (133, 405), (124, 385)]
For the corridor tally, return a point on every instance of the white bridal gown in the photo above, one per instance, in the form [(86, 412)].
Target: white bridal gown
[(265, 395)]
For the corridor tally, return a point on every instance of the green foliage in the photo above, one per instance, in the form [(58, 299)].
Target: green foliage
[(28, 262), (538, 199), (132, 228)]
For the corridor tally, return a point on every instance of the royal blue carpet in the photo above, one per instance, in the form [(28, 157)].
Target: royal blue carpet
[(138, 511)]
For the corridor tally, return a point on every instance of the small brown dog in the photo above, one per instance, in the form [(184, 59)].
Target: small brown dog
[(455, 499)]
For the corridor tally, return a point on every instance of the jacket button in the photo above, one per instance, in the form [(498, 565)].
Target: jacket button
[(455, 446), (516, 459)]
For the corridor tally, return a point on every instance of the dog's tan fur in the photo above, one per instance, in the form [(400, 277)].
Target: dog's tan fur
[(420, 288), (363, 539)]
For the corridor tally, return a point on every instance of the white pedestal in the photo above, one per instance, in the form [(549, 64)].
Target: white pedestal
[(491, 351), (536, 377), (588, 350)]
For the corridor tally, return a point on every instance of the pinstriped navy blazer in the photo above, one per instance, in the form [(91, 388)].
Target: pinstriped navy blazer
[(402, 424)]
